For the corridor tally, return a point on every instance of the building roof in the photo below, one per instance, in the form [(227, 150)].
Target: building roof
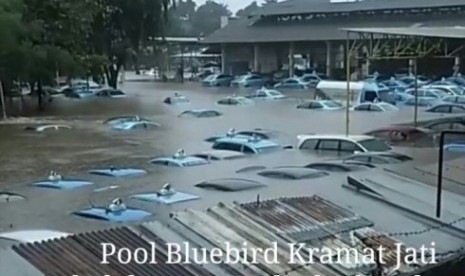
[(82, 255), (245, 31), (446, 32), (325, 6)]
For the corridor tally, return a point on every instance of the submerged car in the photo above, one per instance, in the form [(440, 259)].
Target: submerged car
[(244, 134), (219, 155), (110, 93), (132, 125), (342, 143), (292, 173), (43, 128), (321, 105), (377, 158), (180, 159), (291, 83), (266, 94), (78, 93), (454, 99), (201, 113), (375, 107), (249, 80), (235, 100), (311, 80), (403, 135), (122, 119), (218, 80), (176, 99), (447, 108), (335, 166), (250, 145)]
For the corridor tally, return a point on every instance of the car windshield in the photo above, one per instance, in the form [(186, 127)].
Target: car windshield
[(332, 104), (242, 78), (374, 145), (211, 77), (116, 92)]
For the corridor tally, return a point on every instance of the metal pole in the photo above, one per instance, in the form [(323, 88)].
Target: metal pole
[(348, 56), (415, 71), (439, 181), (2, 99)]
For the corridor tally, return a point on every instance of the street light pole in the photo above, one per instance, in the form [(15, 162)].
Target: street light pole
[(440, 167), (348, 57), (2, 99), (415, 71)]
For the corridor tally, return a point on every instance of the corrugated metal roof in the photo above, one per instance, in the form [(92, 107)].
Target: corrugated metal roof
[(281, 220), (82, 254), (325, 6), (448, 32), (242, 30)]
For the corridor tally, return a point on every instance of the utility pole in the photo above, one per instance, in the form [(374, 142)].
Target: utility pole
[(2, 99)]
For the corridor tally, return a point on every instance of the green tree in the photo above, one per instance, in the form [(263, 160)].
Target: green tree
[(207, 18), (57, 35), (180, 18), (250, 9), (121, 28)]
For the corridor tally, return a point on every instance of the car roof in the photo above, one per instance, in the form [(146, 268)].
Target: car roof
[(294, 172), (261, 143), (184, 160), (356, 138), (221, 154), (230, 184)]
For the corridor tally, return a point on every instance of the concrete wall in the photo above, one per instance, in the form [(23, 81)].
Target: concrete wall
[(237, 58)]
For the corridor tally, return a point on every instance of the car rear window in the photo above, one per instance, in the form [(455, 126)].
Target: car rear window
[(375, 145)]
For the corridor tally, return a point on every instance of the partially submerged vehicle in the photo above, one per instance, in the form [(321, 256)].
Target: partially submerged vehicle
[(292, 173), (375, 107), (166, 195), (244, 134), (266, 94), (201, 113), (7, 197), (377, 158), (57, 182), (118, 172), (335, 166), (360, 92), (176, 99), (327, 105), (180, 159), (447, 108), (51, 127), (123, 119), (116, 211), (133, 125), (404, 135), (110, 93), (342, 143), (248, 145), (230, 184), (219, 155), (235, 100)]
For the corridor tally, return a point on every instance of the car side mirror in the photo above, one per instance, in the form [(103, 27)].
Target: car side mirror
[(288, 147)]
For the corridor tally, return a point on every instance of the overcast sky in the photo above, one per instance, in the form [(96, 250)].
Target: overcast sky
[(233, 5)]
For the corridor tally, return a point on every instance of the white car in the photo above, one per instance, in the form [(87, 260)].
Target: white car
[(376, 107), (266, 94), (43, 128), (342, 143), (451, 90)]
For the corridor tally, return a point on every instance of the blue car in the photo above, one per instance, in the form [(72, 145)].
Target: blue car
[(218, 80), (249, 145), (249, 80), (291, 83), (182, 161), (455, 147)]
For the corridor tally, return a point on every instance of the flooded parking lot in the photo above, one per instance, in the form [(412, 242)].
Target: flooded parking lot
[(28, 157)]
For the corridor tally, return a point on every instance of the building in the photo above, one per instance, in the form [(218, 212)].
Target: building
[(271, 39)]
